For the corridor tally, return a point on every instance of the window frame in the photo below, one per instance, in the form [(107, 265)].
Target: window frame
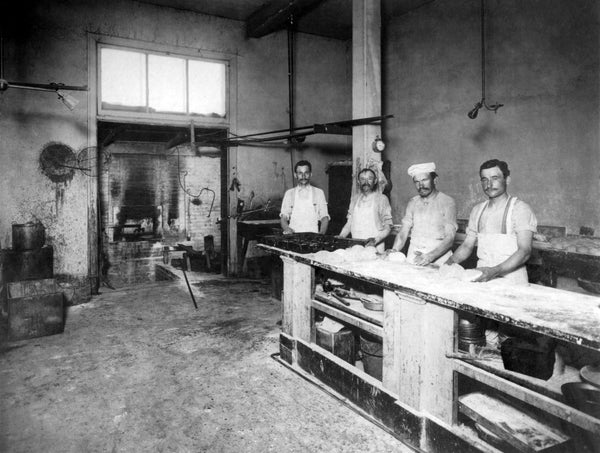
[(163, 50)]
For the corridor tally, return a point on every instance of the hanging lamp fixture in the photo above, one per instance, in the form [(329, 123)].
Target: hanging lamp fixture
[(494, 107), (59, 88)]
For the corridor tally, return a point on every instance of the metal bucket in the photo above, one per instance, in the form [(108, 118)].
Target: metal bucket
[(371, 348), (28, 236), (471, 330)]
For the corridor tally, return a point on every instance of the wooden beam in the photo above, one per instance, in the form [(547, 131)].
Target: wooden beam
[(275, 16), (181, 137), (111, 137), (366, 77)]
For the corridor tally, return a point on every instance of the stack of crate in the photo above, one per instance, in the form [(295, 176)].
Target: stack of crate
[(35, 309), (32, 305)]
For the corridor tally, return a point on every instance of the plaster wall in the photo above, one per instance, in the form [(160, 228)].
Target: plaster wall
[(541, 63), (47, 41)]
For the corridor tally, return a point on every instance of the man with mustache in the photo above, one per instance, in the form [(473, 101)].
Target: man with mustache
[(304, 206), (430, 219), (502, 227), (370, 213)]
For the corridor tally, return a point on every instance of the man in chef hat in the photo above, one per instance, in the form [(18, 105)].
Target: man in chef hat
[(304, 208), (430, 219)]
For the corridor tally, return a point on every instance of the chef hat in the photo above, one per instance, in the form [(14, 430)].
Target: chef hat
[(421, 168)]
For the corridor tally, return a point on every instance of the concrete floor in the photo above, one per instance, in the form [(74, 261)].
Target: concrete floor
[(140, 370)]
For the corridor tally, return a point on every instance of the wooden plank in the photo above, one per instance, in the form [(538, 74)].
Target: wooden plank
[(35, 316), (355, 308), (392, 339), (516, 427), (424, 336), (542, 402), (297, 278), (409, 341), (26, 288), (437, 383), (348, 318)]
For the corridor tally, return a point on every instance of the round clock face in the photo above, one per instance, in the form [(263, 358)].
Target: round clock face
[(378, 145)]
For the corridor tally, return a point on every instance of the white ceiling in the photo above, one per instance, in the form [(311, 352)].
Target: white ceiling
[(332, 18)]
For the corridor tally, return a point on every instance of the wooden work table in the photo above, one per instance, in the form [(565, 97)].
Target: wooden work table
[(417, 398)]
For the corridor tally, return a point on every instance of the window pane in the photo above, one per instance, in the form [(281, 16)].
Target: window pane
[(166, 82), (122, 78), (207, 82)]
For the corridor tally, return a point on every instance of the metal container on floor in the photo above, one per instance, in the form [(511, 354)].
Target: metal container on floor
[(28, 236), (371, 348), (471, 330)]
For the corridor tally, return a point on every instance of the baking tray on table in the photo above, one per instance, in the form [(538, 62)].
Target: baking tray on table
[(308, 242)]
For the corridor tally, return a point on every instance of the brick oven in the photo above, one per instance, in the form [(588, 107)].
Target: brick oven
[(155, 195)]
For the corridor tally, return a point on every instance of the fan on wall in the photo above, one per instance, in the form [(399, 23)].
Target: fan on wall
[(59, 88), (59, 162)]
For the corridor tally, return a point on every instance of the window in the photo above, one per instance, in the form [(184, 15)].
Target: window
[(161, 85)]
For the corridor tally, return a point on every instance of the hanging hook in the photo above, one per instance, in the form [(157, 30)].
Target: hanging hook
[(494, 107), (213, 198)]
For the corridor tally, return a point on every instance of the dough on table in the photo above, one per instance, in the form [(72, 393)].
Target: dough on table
[(470, 274), (397, 257), (451, 271)]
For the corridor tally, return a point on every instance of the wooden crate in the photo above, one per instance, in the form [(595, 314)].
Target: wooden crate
[(35, 316)]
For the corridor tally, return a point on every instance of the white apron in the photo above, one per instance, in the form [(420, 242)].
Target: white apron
[(426, 239), (494, 248), (363, 221), (304, 213), (425, 245)]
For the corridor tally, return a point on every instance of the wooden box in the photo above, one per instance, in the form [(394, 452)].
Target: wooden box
[(35, 316), (18, 265), (340, 343)]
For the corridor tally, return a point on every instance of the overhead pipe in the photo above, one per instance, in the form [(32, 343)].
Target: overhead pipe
[(290, 43), (494, 107)]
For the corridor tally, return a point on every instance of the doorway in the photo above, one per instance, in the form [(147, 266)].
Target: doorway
[(156, 189)]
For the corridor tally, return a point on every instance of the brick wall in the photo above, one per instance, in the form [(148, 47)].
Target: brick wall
[(145, 181)]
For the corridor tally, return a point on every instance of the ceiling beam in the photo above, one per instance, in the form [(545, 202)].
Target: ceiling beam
[(275, 16)]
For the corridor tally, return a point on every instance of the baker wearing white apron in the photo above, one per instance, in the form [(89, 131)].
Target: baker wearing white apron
[(502, 228), (304, 218), (495, 248), (304, 206), (364, 225), (430, 219), (370, 213)]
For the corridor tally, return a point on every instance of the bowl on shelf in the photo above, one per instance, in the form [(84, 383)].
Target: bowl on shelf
[(583, 396)]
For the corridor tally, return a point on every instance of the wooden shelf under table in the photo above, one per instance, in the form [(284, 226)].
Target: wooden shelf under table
[(355, 314), (548, 404)]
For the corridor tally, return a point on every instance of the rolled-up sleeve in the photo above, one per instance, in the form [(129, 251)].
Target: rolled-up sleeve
[(472, 228), (321, 204), (286, 205), (385, 211), (407, 220), (523, 218), (449, 214)]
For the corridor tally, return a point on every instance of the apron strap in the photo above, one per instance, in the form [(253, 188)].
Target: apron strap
[(507, 218), (312, 196), (479, 214)]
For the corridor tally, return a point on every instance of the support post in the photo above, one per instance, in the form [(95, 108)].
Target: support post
[(366, 77)]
